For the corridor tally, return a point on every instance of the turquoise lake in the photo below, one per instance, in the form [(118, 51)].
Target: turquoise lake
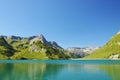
[(60, 70)]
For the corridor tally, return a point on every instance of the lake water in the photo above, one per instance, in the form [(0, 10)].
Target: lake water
[(60, 70)]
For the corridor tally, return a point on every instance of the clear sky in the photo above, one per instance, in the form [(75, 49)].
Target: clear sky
[(71, 23)]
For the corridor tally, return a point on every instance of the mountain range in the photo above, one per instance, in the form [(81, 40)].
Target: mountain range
[(37, 47), (32, 39), (77, 52), (34, 47)]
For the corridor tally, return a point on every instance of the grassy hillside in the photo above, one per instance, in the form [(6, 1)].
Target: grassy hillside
[(51, 52), (112, 47), (21, 49)]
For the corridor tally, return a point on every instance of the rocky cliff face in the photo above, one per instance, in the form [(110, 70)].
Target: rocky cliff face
[(39, 38), (81, 52), (54, 44), (42, 39)]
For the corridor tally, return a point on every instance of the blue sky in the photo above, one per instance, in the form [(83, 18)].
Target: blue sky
[(71, 23)]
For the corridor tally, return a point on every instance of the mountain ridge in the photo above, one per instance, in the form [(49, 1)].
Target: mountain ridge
[(33, 47), (34, 38), (39, 48), (78, 52)]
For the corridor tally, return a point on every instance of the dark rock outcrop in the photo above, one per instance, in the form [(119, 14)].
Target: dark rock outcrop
[(5, 48)]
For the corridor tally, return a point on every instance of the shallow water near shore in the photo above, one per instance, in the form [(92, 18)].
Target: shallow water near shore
[(60, 70)]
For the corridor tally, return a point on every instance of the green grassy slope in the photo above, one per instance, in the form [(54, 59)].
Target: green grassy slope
[(112, 47), (21, 49)]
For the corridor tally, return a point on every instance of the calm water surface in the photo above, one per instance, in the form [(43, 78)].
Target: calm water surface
[(60, 70)]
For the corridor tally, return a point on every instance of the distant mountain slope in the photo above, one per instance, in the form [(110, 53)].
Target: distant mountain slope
[(110, 50), (81, 52)]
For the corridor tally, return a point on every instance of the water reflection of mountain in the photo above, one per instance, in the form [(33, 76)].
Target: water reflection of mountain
[(113, 70), (29, 71), (6, 71), (58, 71)]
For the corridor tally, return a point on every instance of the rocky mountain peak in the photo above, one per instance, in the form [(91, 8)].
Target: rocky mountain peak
[(40, 38), (41, 35)]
